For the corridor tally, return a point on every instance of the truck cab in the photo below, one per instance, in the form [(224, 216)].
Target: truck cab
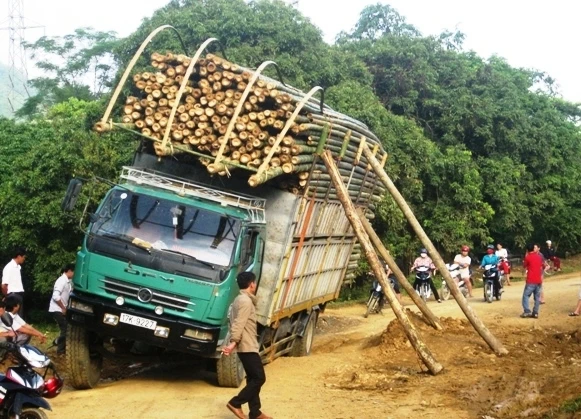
[(158, 266)]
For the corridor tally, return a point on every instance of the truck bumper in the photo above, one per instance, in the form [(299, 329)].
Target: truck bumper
[(90, 313)]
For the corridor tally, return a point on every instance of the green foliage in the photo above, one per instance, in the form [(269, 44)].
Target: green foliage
[(46, 155), (250, 33), (78, 65), (480, 150)]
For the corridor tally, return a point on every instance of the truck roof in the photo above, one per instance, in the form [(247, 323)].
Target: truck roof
[(254, 207)]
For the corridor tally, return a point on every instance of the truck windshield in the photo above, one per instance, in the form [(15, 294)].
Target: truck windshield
[(152, 223)]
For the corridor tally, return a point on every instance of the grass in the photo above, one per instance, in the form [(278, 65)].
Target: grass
[(567, 408)]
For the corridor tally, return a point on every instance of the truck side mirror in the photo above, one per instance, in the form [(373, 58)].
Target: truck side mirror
[(71, 195)]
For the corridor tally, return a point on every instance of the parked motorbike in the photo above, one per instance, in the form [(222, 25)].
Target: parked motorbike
[(454, 270), (23, 390), (491, 272), (423, 275)]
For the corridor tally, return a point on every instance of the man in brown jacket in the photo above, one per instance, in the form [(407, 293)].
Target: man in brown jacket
[(243, 338)]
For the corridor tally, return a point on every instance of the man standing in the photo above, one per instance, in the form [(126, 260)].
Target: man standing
[(243, 338), (464, 261), (12, 278), (58, 304), (533, 263)]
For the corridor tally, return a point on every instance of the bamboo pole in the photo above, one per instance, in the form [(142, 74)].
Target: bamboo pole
[(421, 349), (488, 337), (383, 252), (183, 87)]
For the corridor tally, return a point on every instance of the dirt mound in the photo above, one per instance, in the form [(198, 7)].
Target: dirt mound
[(541, 368)]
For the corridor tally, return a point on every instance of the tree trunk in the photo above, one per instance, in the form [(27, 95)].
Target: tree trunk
[(488, 337), (420, 348), (383, 252)]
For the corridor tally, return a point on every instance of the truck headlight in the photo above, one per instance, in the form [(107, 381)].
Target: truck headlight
[(77, 305), (198, 334)]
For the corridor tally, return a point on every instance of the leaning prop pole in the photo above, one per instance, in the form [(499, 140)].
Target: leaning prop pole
[(421, 349), (488, 337), (383, 252)]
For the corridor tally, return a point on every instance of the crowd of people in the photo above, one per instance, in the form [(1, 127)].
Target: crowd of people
[(13, 303), (536, 263)]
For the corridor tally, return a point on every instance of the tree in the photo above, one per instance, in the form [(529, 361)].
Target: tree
[(79, 65), (52, 151)]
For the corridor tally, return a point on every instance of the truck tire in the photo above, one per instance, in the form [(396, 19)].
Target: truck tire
[(230, 371), (83, 366), (302, 345)]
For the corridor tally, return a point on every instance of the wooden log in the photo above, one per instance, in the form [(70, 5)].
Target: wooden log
[(488, 337), (421, 349), (401, 278)]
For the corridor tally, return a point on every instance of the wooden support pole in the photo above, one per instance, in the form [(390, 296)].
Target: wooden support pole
[(432, 319), (421, 349), (488, 337)]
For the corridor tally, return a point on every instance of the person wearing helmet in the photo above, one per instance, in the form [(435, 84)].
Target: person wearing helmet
[(491, 259), (464, 261), (425, 260), (550, 254)]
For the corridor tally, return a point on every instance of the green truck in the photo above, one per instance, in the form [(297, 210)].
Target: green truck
[(158, 266), (156, 272)]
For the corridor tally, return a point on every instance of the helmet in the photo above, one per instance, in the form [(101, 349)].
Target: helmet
[(52, 387), (465, 248), (423, 250), (548, 242), (490, 246)]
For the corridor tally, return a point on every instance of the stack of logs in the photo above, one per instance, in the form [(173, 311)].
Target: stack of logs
[(207, 105)]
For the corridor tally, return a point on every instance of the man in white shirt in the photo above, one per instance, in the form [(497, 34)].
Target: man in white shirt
[(464, 261), (23, 330), (58, 304), (12, 278), (502, 255)]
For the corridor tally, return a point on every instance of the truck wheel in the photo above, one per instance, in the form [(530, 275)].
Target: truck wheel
[(302, 345), (84, 366), (33, 413), (230, 371)]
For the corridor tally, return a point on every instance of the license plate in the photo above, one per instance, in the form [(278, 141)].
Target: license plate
[(137, 321)]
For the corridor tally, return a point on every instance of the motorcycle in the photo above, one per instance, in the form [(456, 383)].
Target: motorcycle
[(23, 390), (376, 299), (491, 272), (423, 276), (454, 270)]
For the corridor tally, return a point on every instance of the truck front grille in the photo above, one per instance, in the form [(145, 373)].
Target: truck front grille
[(158, 298)]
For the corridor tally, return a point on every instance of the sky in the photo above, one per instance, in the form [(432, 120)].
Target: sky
[(541, 36)]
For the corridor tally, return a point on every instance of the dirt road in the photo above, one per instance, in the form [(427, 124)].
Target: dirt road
[(363, 368)]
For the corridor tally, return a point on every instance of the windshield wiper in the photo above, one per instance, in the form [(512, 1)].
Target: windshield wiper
[(176, 252)]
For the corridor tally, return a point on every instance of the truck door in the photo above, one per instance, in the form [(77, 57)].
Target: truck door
[(252, 250)]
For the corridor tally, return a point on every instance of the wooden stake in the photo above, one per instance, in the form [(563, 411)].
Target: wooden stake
[(421, 349), (488, 337)]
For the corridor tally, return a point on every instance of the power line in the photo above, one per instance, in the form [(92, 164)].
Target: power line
[(18, 72)]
